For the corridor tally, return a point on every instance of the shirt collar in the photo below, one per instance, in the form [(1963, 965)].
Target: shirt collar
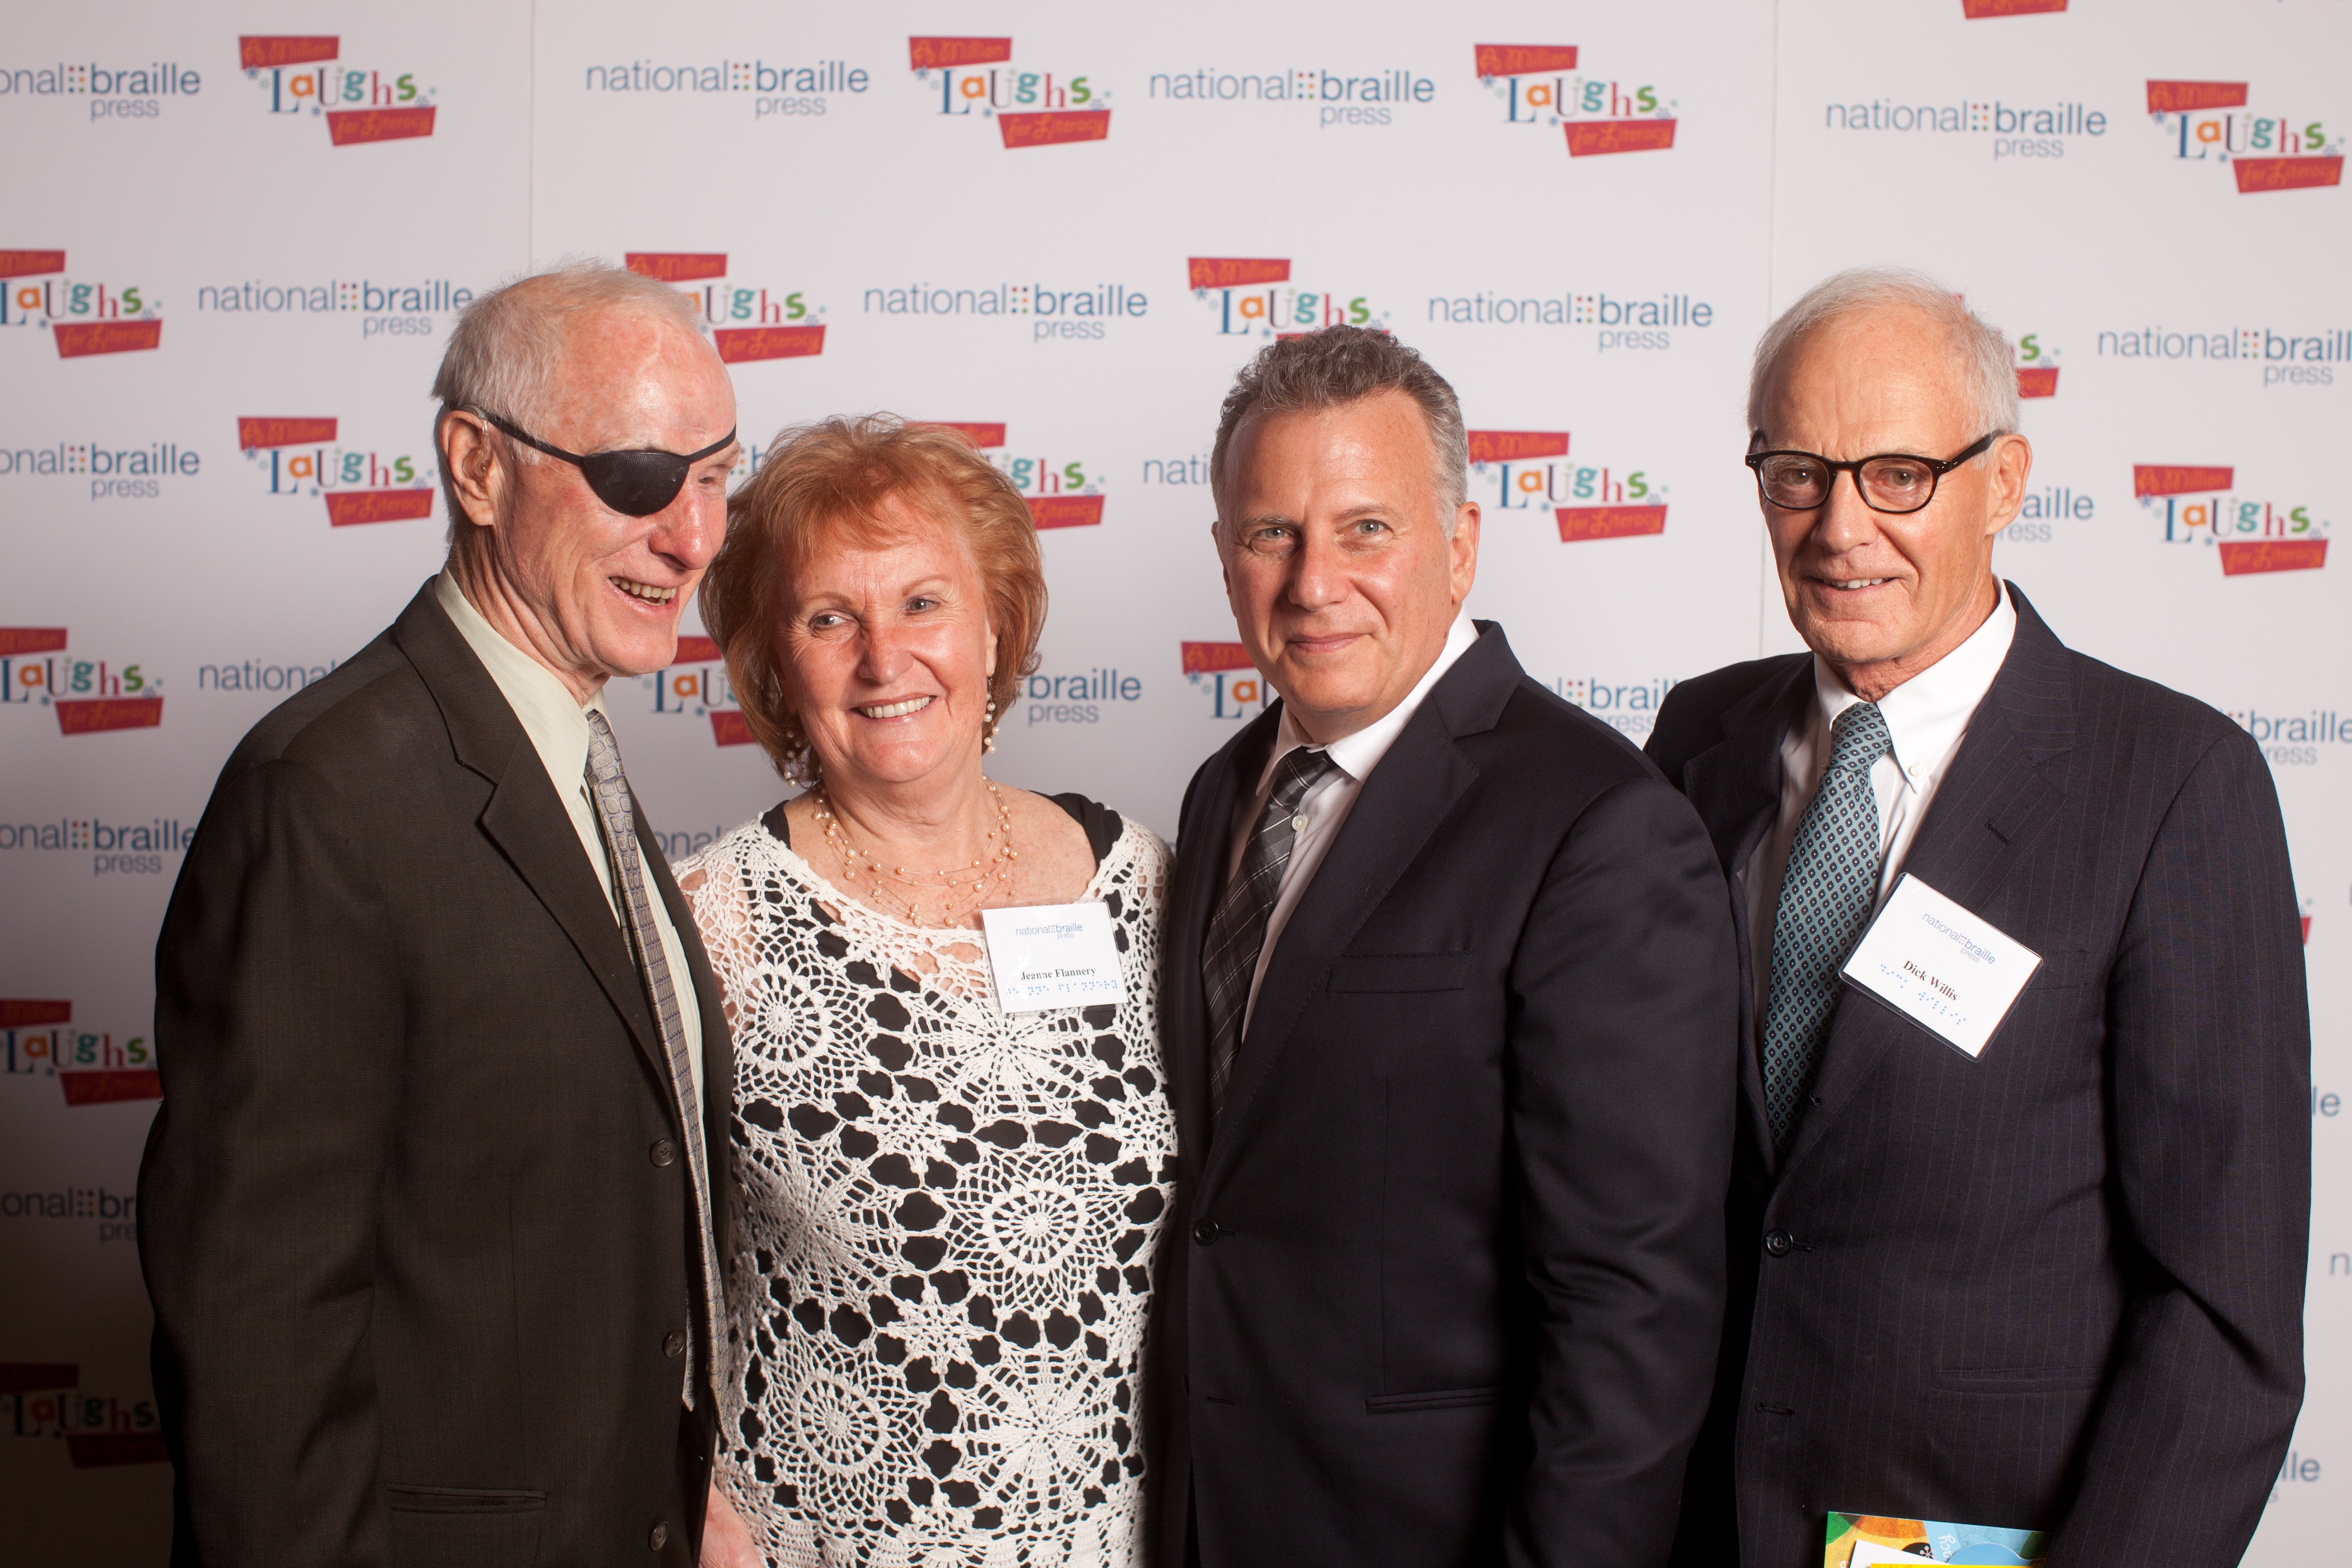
[(1358, 754), (1927, 715), (556, 722)]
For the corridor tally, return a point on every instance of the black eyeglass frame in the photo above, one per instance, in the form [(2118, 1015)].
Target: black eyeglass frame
[(1935, 472), (609, 473)]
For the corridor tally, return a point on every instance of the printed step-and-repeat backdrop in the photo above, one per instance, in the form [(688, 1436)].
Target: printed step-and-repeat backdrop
[(235, 238)]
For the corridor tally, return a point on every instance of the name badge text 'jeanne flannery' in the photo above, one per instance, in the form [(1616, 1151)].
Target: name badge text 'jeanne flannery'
[(1053, 955)]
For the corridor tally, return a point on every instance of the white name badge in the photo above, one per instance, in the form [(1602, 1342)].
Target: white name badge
[(1053, 955), (1948, 971)]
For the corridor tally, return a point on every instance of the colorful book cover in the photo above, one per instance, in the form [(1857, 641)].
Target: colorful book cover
[(1873, 1541)]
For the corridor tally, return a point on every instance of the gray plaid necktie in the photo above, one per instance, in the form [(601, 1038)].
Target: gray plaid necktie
[(1826, 897), (1237, 930), (617, 812)]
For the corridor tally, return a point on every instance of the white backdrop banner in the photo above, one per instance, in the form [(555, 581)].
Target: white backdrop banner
[(235, 239)]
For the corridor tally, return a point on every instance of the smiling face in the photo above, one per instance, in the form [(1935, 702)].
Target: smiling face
[(886, 651), (1338, 566), (595, 594), (1879, 597)]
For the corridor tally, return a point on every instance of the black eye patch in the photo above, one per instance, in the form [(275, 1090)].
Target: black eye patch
[(635, 483)]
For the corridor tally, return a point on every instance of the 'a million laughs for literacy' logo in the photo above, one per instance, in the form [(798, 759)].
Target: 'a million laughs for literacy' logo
[(1223, 670), (1528, 471), (38, 1039), (90, 695), (2197, 504), (2208, 121), (88, 317), (1060, 494), (297, 455), (303, 75), (976, 78), (1254, 297), (747, 323), (2037, 368), (1539, 84)]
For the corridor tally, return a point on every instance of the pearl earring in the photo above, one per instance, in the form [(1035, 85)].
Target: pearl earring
[(988, 728)]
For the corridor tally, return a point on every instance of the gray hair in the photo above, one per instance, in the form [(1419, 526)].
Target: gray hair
[(1980, 357), (1338, 365), (507, 344)]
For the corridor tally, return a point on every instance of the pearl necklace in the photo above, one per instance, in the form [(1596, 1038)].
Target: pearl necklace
[(996, 867)]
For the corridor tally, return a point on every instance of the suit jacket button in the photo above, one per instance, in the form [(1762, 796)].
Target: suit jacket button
[(659, 1538), (1779, 1243), (663, 1151), (1206, 1232), (674, 1346)]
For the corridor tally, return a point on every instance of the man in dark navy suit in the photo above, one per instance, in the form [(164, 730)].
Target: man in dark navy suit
[(2055, 1285), (1448, 1016)]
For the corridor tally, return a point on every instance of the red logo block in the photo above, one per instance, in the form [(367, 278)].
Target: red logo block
[(729, 727), (737, 344), (692, 649), (91, 1451), (89, 716), (923, 54), (677, 265), (79, 338), (38, 1376), (27, 1013), (2038, 380), (349, 127), (259, 51), (1588, 137), (2287, 173), (2177, 478), (1209, 658), (1579, 523), (2243, 557), (1066, 511), (111, 1086), (1510, 446), (1977, 10), (981, 436), (2171, 97), (1517, 60), (254, 432), (30, 263), (1054, 127), (345, 508), (29, 639), (1233, 272)]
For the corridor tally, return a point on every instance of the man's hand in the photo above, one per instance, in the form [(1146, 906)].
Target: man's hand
[(726, 1540)]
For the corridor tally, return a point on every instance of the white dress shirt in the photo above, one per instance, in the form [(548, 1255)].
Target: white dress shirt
[(1925, 717), (557, 723), (1326, 805)]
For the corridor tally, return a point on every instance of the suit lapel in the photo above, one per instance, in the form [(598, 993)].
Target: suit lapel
[(1992, 806), (1206, 841), (1734, 787), (525, 818), (1409, 793)]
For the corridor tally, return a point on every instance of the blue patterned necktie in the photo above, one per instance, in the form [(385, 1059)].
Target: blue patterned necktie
[(1237, 932), (616, 809), (1826, 896)]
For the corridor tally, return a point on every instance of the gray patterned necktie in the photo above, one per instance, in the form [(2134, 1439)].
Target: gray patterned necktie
[(1826, 897), (617, 812), (1237, 930)]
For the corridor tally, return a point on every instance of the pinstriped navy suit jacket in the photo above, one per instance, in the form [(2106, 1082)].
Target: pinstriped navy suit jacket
[(2059, 1286)]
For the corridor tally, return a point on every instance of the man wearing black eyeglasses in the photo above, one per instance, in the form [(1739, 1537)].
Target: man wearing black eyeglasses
[(2026, 1257), (433, 1210)]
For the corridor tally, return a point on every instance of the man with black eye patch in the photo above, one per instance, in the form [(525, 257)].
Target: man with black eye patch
[(432, 1203)]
